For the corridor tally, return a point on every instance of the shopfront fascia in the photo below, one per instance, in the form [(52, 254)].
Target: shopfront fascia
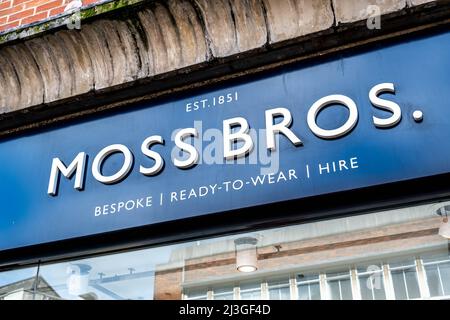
[(346, 156)]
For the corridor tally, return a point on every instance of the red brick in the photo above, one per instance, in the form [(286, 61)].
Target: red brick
[(88, 2), (49, 5), (5, 4), (56, 11), (12, 10), (9, 26), (16, 2), (3, 20), (36, 17), (20, 15), (34, 3)]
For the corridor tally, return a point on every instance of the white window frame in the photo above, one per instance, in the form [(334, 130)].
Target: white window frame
[(354, 276), (287, 285), (418, 274), (370, 273), (438, 262), (328, 278), (307, 282)]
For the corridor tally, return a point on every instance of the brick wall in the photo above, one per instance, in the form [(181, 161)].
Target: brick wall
[(15, 13)]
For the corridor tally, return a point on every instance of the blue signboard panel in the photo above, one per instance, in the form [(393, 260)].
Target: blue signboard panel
[(364, 156)]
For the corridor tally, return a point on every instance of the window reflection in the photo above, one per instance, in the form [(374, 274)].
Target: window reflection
[(118, 277), (226, 293), (372, 282), (251, 291), (196, 294), (395, 254), (438, 275), (308, 287), (405, 281), (23, 284), (279, 290), (339, 286)]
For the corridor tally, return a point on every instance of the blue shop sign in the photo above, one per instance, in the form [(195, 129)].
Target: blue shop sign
[(359, 120)]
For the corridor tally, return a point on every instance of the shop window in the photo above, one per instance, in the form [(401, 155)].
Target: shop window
[(339, 286), (279, 290), (308, 287), (438, 275), (404, 280), (283, 263)]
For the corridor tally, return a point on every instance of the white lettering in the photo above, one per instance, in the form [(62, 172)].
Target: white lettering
[(354, 163), (77, 166), (324, 102), (230, 138), (326, 168), (105, 153), (385, 105), (238, 184), (193, 153), (282, 127), (159, 162)]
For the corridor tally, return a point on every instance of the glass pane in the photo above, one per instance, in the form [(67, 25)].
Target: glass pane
[(346, 289), (399, 285), (444, 269), (433, 280), (279, 294), (315, 291), (303, 292), (308, 287), (279, 290), (437, 268), (372, 286), (302, 278), (366, 292), (379, 291), (122, 276), (250, 295), (404, 279), (413, 284), (251, 291), (334, 290), (368, 268), (437, 257), (228, 296), (339, 286), (340, 289), (223, 293), (19, 285), (196, 294)]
